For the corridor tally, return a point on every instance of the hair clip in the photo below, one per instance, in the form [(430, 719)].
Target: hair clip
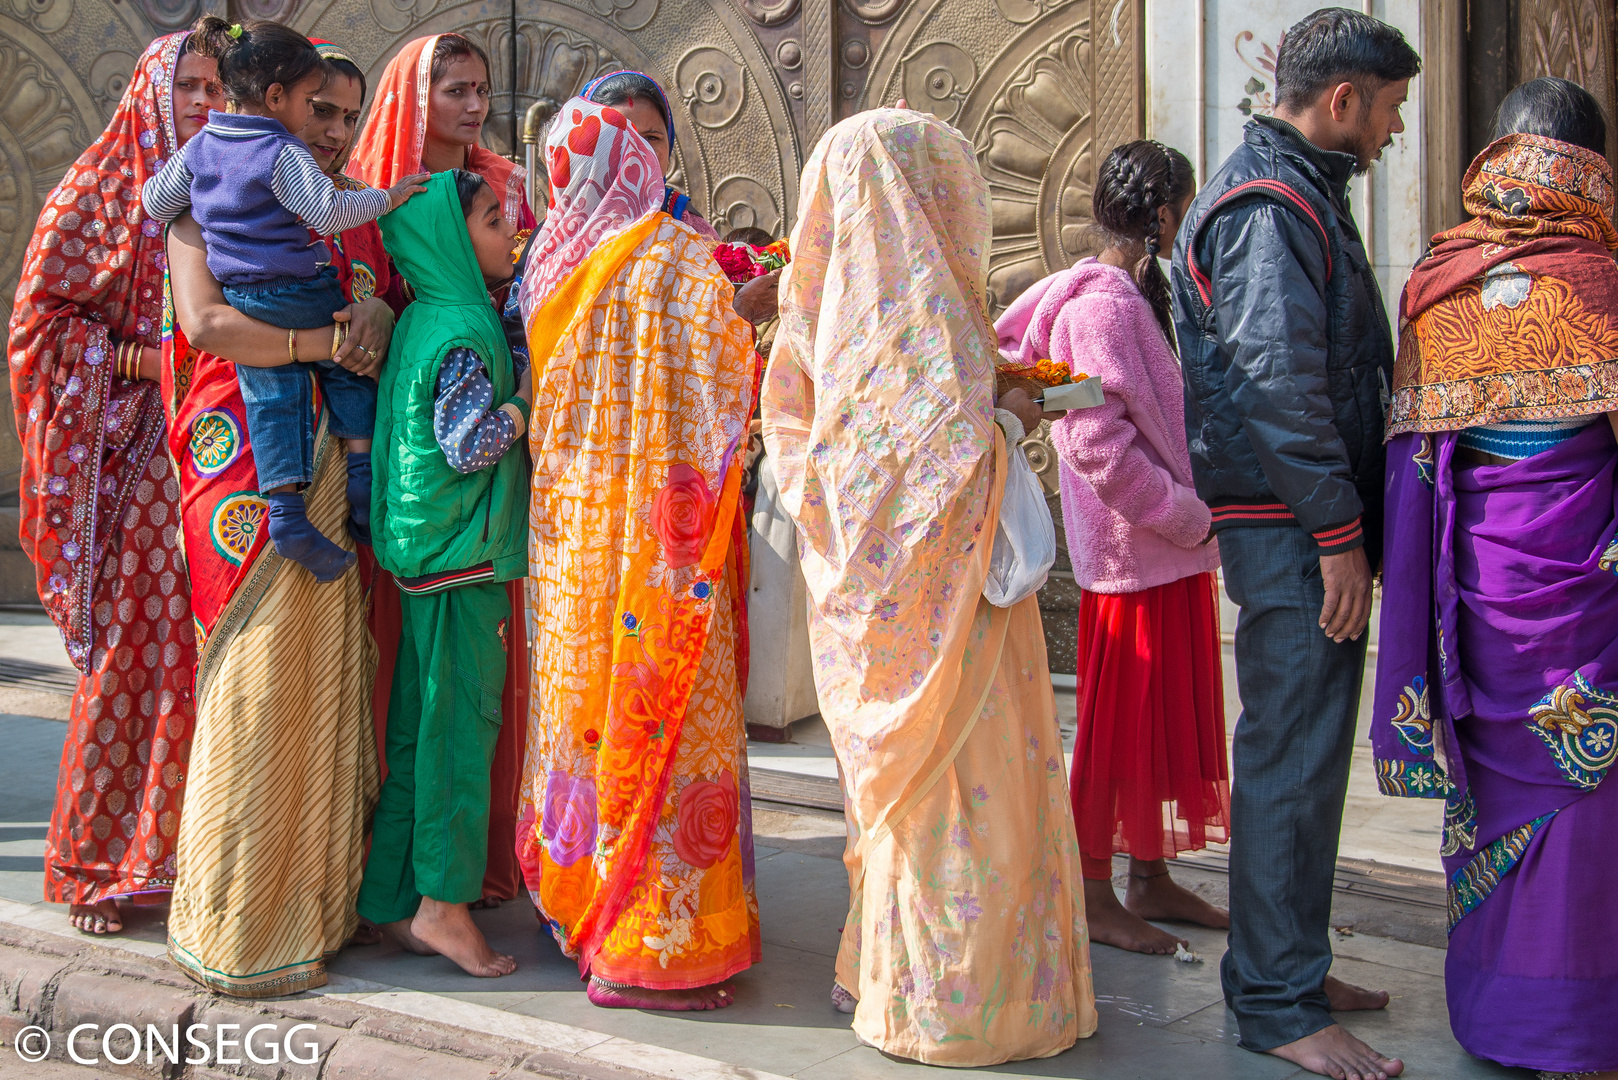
[(235, 32)]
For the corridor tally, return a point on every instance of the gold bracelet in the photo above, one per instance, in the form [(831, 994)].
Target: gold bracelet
[(337, 336), (292, 345), (126, 364)]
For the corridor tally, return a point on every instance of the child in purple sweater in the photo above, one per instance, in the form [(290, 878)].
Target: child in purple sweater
[(256, 192)]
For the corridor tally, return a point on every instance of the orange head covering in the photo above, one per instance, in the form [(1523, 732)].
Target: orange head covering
[(389, 149)]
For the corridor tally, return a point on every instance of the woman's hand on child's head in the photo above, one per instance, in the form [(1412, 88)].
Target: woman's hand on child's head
[(760, 299), (370, 329), (410, 185)]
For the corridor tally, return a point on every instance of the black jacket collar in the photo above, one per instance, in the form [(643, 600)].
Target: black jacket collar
[(1331, 168)]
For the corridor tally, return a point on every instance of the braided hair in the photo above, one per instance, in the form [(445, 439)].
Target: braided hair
[(1135, 181)]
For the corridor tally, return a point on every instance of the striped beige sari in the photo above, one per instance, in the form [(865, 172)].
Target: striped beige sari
[(283, 772)]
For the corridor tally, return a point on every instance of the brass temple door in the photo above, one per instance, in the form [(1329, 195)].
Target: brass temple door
[(1039, 86)]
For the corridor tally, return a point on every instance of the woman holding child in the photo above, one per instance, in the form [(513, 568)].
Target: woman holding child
[(283, 771), (99, 499), (636, 838)]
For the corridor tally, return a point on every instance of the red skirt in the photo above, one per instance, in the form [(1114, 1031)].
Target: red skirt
[(1150, 775)]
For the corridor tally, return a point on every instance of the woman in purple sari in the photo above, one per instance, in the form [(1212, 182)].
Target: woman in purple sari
[(1497, 681)]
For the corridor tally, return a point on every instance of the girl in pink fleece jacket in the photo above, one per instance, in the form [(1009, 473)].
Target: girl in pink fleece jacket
[(1149, 767)]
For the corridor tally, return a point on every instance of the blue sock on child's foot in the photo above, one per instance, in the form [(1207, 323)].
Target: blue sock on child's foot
[(296, 538), (359, 495)]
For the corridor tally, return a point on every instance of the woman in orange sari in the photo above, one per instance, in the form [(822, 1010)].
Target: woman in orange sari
[(99, 498), (636, 833), (965, 941), (409, 131)]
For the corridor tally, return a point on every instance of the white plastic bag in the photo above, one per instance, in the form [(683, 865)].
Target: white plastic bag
[(1025, 540)]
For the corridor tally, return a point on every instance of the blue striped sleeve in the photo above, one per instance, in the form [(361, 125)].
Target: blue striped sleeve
[(309, 193), (168, 194)]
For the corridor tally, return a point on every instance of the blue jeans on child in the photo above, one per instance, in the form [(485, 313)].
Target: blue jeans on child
[(280, 400)]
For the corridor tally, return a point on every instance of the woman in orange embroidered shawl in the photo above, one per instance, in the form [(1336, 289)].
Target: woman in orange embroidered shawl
[(411, 131), (965, 941), (636, 836), (99, 500)]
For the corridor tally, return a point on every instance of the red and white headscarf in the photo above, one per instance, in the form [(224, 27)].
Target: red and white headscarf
[(604, 178)]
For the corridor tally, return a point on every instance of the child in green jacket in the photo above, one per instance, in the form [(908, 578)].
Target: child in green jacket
[(449, 520)]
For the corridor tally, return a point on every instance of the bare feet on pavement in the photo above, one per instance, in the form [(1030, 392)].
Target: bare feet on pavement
[(400, 934), (700, 999), (1346, 997), (484, 904), (366, 933), (101, 918), (1111, 924), (448, 929), (1333, 1052), (1152, 894)]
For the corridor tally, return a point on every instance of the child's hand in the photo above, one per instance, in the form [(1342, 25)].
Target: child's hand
[(525, 386), (407, 187)]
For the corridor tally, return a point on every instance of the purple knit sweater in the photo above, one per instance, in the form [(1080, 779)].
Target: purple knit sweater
[(1133, 518)]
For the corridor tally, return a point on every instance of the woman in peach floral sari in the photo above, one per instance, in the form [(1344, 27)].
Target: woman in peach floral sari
[(635, 837), (965, 941)]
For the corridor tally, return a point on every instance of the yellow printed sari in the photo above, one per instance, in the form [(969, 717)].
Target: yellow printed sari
[(635, 836), (965, 942)]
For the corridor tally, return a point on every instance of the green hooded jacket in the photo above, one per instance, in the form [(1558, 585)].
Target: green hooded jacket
[(426, 518)]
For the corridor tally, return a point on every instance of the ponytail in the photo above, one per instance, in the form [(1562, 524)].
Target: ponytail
[(1136, 181)]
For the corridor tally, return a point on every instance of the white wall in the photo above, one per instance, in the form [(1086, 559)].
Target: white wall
[(1238, 37)]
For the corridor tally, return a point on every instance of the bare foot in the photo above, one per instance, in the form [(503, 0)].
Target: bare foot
[(1111, 924), (485, 903), (401, 935), (99, 918), (449, 929), (1346, 997), (1333, 1052), (1153, 894), (700, 999), (366, 933)]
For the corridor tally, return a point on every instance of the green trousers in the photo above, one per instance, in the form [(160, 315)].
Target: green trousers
[(430, 836)]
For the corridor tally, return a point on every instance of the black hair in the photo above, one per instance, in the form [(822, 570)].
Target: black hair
[(208, 37), (627, 86), (751, 235), (467, 186), (1135, 181), (1553, 108), (262, 54), (1336, 45), (452, 46)]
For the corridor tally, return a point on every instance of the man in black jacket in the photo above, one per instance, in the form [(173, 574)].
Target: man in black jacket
[(1287, 356)]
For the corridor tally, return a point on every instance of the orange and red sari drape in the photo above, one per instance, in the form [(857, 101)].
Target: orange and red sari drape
[(100, 503)]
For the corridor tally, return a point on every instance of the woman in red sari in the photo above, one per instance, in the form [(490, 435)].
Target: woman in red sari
[(411, 132), (99, 499), (283, 769)]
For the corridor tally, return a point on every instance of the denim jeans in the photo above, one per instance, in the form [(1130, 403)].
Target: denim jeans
[(1300, 696), (280, 400)]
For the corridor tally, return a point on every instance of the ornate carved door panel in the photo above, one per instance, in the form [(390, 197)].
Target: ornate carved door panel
[(1571, 39)]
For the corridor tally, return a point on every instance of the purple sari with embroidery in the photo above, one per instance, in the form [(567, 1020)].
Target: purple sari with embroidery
[(1497, 691)]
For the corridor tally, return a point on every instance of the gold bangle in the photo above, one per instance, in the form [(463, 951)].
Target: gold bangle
[(292, 345), (337, 335)]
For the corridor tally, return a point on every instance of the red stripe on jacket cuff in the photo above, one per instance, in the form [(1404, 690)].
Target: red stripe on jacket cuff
[(1342, 537)]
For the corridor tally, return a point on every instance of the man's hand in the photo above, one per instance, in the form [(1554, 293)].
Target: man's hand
[(759, 299), (1347, 610)]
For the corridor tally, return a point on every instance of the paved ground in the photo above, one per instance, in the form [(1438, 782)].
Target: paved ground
[(1160, 1019)]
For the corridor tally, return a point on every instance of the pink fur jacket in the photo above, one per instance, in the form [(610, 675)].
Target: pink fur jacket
[(1133, 519)]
